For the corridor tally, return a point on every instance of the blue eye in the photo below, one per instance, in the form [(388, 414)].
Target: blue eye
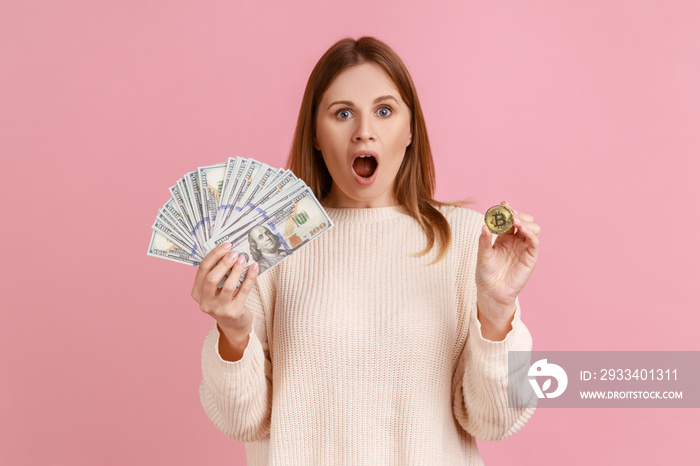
[(383, 111)]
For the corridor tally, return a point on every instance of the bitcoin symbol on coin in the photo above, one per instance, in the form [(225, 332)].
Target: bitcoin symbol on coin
[(499, 219)]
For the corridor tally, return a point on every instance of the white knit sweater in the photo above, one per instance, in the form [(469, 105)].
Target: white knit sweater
[(362, 354)]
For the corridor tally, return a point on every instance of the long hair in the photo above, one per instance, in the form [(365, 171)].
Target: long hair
[(414, 185)]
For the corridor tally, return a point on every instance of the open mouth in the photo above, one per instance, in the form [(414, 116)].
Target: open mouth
[(364, 166)]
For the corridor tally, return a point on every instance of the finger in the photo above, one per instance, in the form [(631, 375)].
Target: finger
[(532, 226), (532, 240), (205, 267), (529, 235), (535, 228), (525, 217), (210, 288), (485, 239), (522, 215), (229, 289), (247, 284), (505, 203)]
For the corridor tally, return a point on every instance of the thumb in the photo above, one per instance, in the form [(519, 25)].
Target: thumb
[(485, 239)]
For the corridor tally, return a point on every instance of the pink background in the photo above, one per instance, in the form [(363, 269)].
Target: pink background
[(583, 113)]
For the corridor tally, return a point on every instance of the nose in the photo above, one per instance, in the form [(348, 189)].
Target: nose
[(364, 130)]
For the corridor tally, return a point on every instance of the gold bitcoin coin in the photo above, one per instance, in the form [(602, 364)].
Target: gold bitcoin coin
[(499, 219)]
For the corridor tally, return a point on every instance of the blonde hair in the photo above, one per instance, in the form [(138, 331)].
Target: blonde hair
[(415, 181)]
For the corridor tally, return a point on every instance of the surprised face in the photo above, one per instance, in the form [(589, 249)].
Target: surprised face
[(363, 128)]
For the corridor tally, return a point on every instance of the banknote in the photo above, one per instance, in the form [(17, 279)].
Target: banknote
[(279, 232), (254, 213), (161, 246), (246, 172), (211, 181), (266, 213), (162, 226)]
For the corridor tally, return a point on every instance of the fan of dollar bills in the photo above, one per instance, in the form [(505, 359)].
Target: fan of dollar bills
[(266, 213)]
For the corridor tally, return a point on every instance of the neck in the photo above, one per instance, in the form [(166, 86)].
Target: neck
[(338, 199)]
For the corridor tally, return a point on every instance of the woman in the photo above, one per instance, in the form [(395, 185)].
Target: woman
[(385, 340)]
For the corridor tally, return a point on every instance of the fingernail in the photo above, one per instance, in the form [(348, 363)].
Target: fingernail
[(233, 255), (254, 266), (241, 260), (227, 245)]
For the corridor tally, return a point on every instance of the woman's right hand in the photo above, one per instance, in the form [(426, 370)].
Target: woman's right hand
[(225, 305)]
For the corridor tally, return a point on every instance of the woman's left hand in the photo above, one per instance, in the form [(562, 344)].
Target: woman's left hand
[(502, 269)]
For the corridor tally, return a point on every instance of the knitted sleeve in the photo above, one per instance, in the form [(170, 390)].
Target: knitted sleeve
[(481, 401), (480, 381), (237, 396)]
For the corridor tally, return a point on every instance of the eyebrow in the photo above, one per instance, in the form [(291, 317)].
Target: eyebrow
[(377, 100)]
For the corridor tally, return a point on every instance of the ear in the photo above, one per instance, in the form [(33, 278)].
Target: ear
[(316, 144), (408, 143)]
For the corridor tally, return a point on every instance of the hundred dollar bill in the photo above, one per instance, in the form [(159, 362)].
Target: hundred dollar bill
[(183, 207), (262, 177), (164, 223), (211, 182), (162, 227), (182, 194), (259, 213), (271, 189), (265, 176), (161, 246), (293, 224), (251, 169), (171, 212), (195, 196), (267, 214), (231, 177), (234, 177), (275, 192)]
